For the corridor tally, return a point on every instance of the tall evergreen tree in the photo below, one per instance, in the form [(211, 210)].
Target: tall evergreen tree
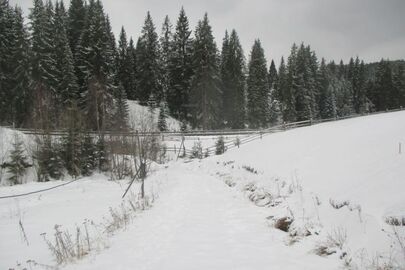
[(180, 69), (6, 46), (121, 110), (148, 63), (76, 23), (124, 62), (21, 78), (291, 88), (385, 95), (205, 86), (257, 88), (166, 40), (66, 88), (131, 57), (97, 68), (233, 81), (399, 84), (43, 64)]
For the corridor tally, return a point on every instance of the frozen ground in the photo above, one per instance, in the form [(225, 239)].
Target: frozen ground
[(335, 182)]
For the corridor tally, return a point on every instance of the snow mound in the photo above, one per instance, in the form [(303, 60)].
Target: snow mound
[(139, 116)]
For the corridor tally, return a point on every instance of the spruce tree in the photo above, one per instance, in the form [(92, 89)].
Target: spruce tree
[(166, 40), (233, 82), (43, 65), (148, 63), (386, 96), (87, 156), (205, 86), (275, 107), (97, 71), (305, 83), (121, 113), (21, 78), (282, 89), (180, 70), (67, 88), (162, 124), (50, 163), (399, 84), (257, 88), (18, 163), (7, 21), (291, 87), (76, 23), (131, 61)]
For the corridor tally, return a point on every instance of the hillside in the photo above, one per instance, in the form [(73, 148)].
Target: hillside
[(317, 197)]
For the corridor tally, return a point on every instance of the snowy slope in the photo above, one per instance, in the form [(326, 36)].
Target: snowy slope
[(140, 115), (355, 163), (221, 212)]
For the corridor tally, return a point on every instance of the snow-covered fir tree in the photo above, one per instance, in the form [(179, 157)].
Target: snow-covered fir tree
[(180, 69), (205, 93), (257, 88), (233, 82), (148, 63)]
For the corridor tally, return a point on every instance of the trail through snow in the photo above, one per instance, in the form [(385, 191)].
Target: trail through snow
[(199, 223)]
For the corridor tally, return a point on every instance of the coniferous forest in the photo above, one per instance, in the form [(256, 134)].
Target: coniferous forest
[(64, 68)]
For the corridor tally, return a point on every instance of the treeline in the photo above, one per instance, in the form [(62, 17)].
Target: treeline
[(66, 69)]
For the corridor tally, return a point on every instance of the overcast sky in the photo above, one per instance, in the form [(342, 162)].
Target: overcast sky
[(335, 29)]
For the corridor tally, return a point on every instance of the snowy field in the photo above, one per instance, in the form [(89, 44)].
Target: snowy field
[(333, 184)]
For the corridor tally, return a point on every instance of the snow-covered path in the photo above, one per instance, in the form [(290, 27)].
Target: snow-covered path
[(199, 223)]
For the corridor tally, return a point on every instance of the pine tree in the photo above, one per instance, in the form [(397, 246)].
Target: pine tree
[(162, 124), (43, 64), (88, 156), (7, 21), (67, 88), (148, 63), (166, 41), (121, 113), (273, 77), (282, 89), (399, 83), (257, 88), (76, 23), (205, 86), (386, 96), (18, 164), (233, 82), (21, 78), (72, 151), (131, 59), (305, 83), (275, 113), (123, 62), (97, 71), (324, 89), (50, 164), (291, 87), (180, 69)]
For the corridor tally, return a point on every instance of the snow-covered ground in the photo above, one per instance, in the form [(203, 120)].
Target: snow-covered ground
[(140, 118), (335, 182)]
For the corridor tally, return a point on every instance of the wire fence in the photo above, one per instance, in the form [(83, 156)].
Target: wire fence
[(250, 136)]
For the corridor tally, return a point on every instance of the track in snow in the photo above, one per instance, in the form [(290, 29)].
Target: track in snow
[(199, 223)]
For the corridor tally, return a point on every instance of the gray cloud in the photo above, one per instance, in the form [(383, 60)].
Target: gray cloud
[(336, 29)]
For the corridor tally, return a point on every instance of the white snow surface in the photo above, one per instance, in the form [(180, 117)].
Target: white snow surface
[(140, 116), (218, 213)]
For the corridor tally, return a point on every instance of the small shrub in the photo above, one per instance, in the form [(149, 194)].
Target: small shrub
[(220, 146), (196, 151)]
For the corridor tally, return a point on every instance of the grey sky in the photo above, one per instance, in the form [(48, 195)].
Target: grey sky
[(335, 29)]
